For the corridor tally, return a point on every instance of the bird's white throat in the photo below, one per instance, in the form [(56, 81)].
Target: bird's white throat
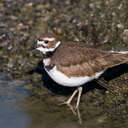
[(46, 61)]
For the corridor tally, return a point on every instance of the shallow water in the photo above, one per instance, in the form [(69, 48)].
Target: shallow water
[(11, 94), (24, 109)]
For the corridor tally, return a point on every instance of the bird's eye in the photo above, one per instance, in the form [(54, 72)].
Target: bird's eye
[(46, 41)]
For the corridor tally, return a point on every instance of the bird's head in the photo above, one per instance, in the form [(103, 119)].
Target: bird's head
[(47, 43)]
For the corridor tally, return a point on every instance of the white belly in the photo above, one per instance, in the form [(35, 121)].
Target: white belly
[(62, 79)]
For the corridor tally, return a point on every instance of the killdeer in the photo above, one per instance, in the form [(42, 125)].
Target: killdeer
[(74, 64)]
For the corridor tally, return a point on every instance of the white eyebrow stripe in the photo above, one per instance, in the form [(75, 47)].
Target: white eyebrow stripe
[(49, 39)]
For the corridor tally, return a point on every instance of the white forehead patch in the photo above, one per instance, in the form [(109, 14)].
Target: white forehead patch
[(41, 43), (49, 39)]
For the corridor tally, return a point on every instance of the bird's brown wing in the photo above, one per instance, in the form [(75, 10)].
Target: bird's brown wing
[(82, 61)]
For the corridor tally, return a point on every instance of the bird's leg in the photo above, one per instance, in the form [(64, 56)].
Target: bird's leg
[(79, 95), (68, 102), (77, 104)]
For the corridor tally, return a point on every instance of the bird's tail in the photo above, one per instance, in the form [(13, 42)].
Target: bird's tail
[(121, 56), (121, 52)]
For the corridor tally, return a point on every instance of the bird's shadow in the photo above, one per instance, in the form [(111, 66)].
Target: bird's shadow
[(108, 75)]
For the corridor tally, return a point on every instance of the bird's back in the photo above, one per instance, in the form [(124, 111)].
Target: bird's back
[(87, 60)]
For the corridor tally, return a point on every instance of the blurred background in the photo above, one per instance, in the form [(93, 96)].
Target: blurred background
[(24, 101)]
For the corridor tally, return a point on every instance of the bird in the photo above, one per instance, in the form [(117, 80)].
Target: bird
[(73, 64)]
